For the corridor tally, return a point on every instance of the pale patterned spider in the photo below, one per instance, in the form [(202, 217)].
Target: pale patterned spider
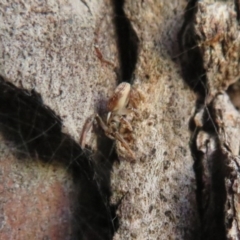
[(117, 125)]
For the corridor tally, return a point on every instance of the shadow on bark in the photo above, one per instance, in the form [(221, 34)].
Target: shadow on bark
[(36, 132)]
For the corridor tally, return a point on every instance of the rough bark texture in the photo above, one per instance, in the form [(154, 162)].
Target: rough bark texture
[(211, 32), (158, 190), (61, 61), (52, 48)]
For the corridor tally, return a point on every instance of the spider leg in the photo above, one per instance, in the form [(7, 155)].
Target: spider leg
[(104, 127), (124, 143), (126, 124), (86, 127), (114, 135)]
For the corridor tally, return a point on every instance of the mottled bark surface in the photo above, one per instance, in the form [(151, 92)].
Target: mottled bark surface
[(158, 190), (211, 31), (63, 60), (52, 48)]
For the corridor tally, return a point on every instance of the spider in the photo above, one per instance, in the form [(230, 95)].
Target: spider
[(117, 127)]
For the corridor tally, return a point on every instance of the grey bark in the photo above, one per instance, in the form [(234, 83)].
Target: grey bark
[(212, 32), (73, 54)]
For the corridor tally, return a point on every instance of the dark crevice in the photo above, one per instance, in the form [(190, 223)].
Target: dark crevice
[(214, 216), (127, 41), (237, 8), (209, 166), (190, 55), (36, 132), (210, 172), (198, 169), (104, 159)]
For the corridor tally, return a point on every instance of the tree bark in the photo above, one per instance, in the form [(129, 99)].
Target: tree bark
[(212, 32), (60, 63)]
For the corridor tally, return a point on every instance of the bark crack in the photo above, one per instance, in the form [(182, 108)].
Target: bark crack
[(127, 41), (208, 61)]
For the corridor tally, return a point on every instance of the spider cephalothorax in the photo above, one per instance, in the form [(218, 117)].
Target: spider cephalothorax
[(122, 103)]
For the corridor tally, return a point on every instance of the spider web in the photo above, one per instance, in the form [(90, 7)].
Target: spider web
[(56, 189), (34, 136)]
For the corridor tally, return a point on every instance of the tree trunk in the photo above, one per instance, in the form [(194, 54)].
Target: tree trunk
[(61, 62)]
